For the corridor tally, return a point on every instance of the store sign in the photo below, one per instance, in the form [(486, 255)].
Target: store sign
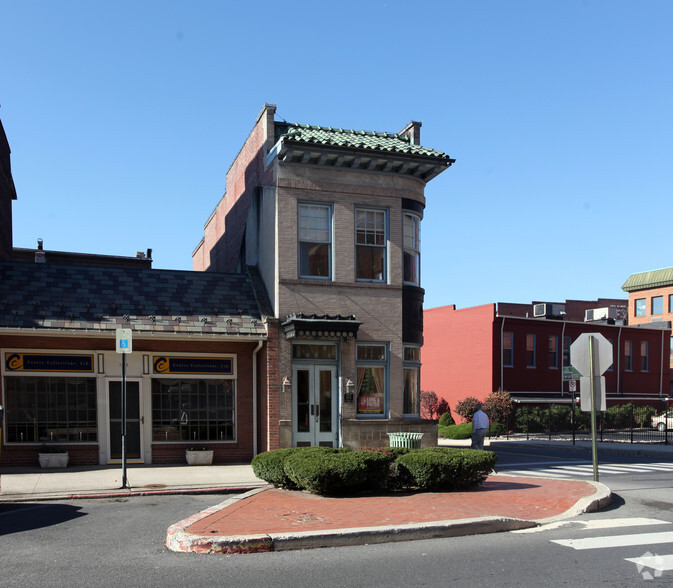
[(193, 365), (47, 362)]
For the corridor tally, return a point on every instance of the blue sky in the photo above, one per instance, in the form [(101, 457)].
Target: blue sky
[(124, 117)]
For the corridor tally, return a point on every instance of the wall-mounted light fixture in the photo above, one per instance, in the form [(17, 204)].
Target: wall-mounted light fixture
[(146, 364), (286, 384), (101, 363), (350, 391)]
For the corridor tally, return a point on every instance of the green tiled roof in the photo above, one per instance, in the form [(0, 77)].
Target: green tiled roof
[(328, 136), (652, 279)]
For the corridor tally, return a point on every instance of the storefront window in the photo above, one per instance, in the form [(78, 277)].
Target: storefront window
[(193, 410), (61, 410), (371, 384)]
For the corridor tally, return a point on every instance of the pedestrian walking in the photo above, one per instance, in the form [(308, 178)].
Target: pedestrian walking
[(480, 425)]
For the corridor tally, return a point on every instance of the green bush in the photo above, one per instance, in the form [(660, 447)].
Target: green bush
[(463, 431), (442, 469), (330, 471), (446, 420), (269, 466)]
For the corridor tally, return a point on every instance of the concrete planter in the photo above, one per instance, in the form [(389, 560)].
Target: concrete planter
[(199, 457), (53, 460)]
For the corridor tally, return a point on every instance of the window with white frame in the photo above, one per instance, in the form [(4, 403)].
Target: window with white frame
[(372, 363), (371, 241), (45, 409), (412, 370), (412, 248), (314, 233)]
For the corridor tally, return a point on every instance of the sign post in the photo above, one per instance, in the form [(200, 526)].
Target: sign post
[(591, 355), (124, 346)]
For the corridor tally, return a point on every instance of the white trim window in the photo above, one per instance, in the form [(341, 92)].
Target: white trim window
[(412, 249), (314, 234), (371, 244)]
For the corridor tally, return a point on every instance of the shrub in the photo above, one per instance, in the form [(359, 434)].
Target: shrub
[(438, 468), (269, 466), (330, 471), (462, 431), (498, 406), (467, 407), (446, 419)]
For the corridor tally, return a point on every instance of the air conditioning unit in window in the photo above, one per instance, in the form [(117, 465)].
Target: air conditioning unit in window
[(548, 310), (601, 314)]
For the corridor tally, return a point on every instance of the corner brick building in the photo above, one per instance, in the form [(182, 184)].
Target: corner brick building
[(328, 222)]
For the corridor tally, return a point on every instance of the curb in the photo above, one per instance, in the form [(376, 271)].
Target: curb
[(125, 493), (178, 539)]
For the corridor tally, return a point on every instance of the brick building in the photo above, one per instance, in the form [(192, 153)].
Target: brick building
[(195, 375), (478, 350), (329, 220), (651, 299)]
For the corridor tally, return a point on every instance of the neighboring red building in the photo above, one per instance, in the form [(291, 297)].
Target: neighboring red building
[(476, 351)]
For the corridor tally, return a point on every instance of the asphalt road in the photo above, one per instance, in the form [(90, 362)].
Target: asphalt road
[(119, 542)]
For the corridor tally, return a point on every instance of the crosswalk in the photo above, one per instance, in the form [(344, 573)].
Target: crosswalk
[(656, 532), (581, 469)]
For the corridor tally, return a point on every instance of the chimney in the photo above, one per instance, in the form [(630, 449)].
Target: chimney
[(413, 132), (40, 256)]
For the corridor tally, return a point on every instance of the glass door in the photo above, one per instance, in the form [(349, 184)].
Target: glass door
[(133, 420), (314, 405)]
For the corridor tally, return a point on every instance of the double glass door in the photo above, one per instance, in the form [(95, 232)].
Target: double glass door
[(314, 405)]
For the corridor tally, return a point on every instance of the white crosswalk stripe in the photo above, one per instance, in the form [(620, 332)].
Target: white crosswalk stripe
[(586, 470), (646, 562)]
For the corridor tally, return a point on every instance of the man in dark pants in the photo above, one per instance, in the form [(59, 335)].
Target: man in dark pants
[(479, 427)]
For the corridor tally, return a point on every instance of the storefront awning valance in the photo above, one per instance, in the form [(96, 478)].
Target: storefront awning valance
[(321, 326)]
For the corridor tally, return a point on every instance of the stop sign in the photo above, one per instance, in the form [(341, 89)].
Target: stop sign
[(579, 354)]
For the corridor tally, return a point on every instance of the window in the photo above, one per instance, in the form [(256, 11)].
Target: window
[(670, 303), (628, 355), (412, 368), (370, 244), (50, 409), (412, 249), (567, 342), (641, 307), (315, 240), (193, 410), (371, 361), (507, 349), (553, 351), (644, 356), (657, 305), (530, 351)]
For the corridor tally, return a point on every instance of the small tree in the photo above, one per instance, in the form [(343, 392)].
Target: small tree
[(443, 407), (467, 407), (429, 404), (498, 406)]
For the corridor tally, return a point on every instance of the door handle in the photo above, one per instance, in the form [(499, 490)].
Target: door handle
[(317, 410), (142, 420)]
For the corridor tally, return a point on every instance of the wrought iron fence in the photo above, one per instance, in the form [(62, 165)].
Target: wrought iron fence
[(625, 420)]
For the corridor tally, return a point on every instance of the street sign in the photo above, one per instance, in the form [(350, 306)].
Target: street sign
[(124, 340), (570, 374), (572, 386), (579, 354)]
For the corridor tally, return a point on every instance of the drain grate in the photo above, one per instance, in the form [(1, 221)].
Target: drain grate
[(155, 486)]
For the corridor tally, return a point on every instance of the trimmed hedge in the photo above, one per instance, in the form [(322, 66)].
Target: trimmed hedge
[(440, 468), (324, 470)]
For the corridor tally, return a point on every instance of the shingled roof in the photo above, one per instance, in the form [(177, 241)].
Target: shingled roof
[(81, 298), (391, 142)]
